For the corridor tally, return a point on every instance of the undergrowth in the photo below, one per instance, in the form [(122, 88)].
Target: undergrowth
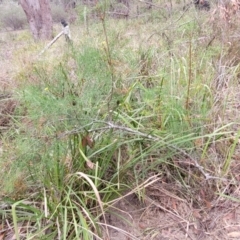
[(113, 110)]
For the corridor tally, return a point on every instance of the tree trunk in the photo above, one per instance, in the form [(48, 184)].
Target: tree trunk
[(39, 18)]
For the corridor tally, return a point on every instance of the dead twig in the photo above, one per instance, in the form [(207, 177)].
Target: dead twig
[(51, 43), (65, 31), (171, 146), (111, 125)]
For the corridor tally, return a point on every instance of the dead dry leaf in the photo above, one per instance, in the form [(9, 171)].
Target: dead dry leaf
[(90, 141), (87, 141), (196, 214), (208, 204), (142, 225)]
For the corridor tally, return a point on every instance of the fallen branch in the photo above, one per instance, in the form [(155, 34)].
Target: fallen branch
[(111, 125), (65, 31), (51, 43), (194, 162)]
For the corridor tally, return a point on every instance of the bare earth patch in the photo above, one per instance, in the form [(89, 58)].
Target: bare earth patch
[(164, 216)]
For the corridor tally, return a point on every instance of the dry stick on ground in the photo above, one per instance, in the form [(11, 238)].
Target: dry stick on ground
[(152, 202), (51, 43), (65, 31)]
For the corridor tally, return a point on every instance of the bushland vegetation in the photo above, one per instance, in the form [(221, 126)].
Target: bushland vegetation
[(144, 103)]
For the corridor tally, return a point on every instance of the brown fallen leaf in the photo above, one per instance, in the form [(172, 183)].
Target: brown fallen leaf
[(196, 213), (87, 141), (208, 204), (90, 141), (142, 225)]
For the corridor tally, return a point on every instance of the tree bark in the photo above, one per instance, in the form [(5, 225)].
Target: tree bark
[(39, 18)]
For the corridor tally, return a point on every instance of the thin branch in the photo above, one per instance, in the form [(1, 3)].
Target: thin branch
[(171, 146), (65, 31), (111, 125), (51, 43)]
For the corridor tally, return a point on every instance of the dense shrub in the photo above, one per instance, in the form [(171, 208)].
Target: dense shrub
[(12, 16)]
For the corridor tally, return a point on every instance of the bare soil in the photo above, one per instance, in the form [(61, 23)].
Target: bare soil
[(163, 216)]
